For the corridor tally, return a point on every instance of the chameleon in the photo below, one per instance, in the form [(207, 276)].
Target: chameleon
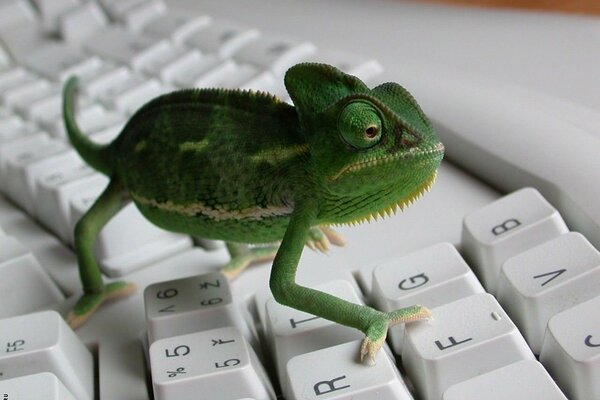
[(247, 168)]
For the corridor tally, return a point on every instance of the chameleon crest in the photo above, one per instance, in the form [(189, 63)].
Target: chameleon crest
[(244, 167)]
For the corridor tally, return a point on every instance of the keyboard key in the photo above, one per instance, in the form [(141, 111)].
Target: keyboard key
[(523, 380), (24, 92), (196, 69), (14, 77), (77, 25), (275, 53), (57, 62), (334, 373), (128, 241), (466, 338), (176, 64), (123, 46), (5, 60), (50, 11), (508, 226), (24, 285), (292, 332), (216, 364), (222, 37), (106, 81), (43, 342), (549, 278), (571, 350), (42, 386), (134, 93), (23, 146), (116, 9), (176, 27), (193, 304), (15, 13), (138, 16), (431, 277), (23, 167)]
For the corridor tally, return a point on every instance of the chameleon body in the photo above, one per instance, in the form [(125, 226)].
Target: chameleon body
[(245, 167)]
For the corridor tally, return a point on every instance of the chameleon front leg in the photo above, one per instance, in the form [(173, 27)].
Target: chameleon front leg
[(374, 324), (95, 292)]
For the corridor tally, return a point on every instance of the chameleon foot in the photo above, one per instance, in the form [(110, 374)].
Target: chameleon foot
[(88, 303), (239, 262), (321, 238), (377, 332)]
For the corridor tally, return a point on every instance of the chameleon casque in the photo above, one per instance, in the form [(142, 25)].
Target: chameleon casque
[(245, 167)]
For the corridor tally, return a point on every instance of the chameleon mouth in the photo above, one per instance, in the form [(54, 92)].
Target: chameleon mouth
[(400, 205), (413, 152)]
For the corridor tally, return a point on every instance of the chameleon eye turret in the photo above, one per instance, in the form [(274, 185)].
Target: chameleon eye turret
[(246, 168), (360, 125)]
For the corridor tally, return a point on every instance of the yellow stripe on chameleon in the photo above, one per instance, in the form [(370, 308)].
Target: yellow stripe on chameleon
[(194, 146), (216, 214), (275, 156)]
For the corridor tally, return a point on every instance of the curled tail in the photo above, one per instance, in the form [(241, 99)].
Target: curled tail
[(96, 155)]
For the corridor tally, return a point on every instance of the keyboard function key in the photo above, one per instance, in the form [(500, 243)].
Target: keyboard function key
[(432, 277), (43, 342), (547, 279), (523, 380), (335, 373), (216, 364), (506, 227), (465, 338), (571, 350), (42, 386)]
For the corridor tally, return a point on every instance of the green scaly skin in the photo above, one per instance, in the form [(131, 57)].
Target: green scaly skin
[(245, 167)]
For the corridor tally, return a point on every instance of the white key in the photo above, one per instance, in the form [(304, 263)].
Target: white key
[(523, 380), (292, 332), (54, 191), (90, 118), (57, 61), (117, 8), (24, 285), (172, 65), (213, 77), (128, 241), (14, 77), (216, 364), (549, 278), (42, 386), (126, 47), (466, 338), (275, 53), (508, 226), (193, 304), (138, 16), (5, 60), (77, 25), (334, 373), (176, 27), (363, 68), (135, 93), (28, 90), (106, 81), (23, 167), (15, 13), (24, 146), (13, 128), (50, 11), (43, 342), (431, 277), (222, 37), (196, 69), (571, 350)]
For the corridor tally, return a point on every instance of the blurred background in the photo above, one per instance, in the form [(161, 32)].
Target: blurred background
[(567, 6)]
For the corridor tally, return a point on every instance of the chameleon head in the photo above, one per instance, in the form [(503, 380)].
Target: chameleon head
[(372, 151)]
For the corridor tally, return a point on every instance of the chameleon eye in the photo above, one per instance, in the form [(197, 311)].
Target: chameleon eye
[(360, 125)]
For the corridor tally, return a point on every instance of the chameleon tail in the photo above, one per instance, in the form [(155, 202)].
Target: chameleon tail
[(96, 155)]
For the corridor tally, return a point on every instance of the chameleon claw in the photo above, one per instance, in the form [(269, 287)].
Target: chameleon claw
[(89, 303), (377, 332), (334, 238)]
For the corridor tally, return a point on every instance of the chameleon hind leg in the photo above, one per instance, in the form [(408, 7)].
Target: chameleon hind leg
[(242, 255), (95, 292), (373, 323)]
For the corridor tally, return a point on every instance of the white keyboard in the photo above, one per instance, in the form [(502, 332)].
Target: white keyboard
[(513, 288)]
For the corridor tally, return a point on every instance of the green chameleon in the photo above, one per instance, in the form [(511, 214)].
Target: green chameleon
[(245, 167)]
